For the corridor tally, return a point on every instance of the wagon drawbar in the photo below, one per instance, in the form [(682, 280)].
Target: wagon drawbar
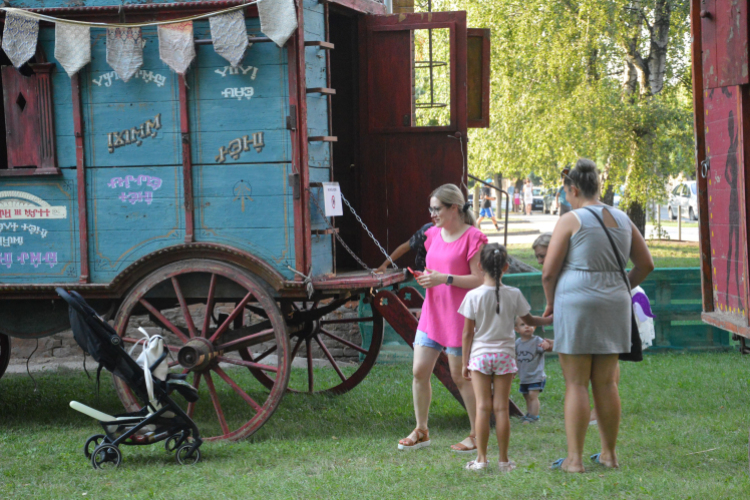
[(191, 203)]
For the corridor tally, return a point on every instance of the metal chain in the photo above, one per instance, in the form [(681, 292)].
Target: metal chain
[(336, 234), (382, 250)]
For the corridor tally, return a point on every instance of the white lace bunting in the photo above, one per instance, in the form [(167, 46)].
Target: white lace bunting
[(19, 38), (125, 51), (72, 46), (176, 45), (229, 34), (278, 19)]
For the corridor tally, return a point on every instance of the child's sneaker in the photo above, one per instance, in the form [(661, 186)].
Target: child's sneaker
[(530, 419), (474, 465), (506, 466)]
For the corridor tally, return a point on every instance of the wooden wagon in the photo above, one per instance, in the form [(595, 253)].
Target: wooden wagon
[(193, 204)]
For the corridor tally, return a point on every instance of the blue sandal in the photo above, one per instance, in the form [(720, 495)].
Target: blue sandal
[(557, 464), (595, 458)]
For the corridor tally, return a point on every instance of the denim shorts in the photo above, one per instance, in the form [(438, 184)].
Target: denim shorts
[(536, 386), (425, 341)]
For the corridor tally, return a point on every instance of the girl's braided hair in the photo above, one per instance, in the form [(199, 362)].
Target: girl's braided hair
[(493, 259)]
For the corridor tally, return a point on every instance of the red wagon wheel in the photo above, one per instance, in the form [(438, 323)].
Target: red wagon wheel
[(4, 353), (312, 333), (200, 307)]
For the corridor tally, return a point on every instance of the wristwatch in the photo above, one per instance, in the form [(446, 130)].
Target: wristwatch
[(449, 280)]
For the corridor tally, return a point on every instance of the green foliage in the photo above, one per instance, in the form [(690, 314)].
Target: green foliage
[(557, 92)]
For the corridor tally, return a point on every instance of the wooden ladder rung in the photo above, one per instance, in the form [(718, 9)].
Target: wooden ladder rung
[(321, 44), (324, 231), (323, 138), (321, 90)]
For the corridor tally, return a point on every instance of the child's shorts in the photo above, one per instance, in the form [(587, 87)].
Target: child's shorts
[(536, 386), (497, 363)]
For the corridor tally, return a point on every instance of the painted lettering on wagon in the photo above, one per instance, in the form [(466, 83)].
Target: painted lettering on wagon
[(34, 259), (229, 70), (12, 227), (22, 205), (152, 182), (241, 145), (239, 93), (10, 241), (134, 135), (147, 76)]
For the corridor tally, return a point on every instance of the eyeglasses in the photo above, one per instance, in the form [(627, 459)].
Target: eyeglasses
[(436, 210)]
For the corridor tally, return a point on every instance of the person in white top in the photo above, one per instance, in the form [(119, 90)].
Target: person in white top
[(489, 350), (528, 196)]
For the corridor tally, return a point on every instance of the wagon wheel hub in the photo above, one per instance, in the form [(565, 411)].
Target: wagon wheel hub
[(197, 354)]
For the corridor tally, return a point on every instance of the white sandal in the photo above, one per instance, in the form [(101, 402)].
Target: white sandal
[(506, 466), (474, 465), (423, 440)]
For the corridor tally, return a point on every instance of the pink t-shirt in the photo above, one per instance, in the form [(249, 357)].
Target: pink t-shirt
[(440, 319)]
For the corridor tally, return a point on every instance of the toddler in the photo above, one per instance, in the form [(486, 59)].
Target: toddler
[(489, 357), (530, 358)]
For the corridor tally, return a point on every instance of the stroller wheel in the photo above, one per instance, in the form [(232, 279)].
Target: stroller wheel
[(92, 443), (173, 442), (182, 457), (106, 456)]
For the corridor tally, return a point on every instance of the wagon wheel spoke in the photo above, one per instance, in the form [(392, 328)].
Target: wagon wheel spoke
[(261, 356), (237, 310), (330, 358), (196, 383), (237, 389), (247, 364), (217, 404), (164, 321), (209, 306), (248, 340), (184, 307), (310, 381), (342, 341), (296, 348)]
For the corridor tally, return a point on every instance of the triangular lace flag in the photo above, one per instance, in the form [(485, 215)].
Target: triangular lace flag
[(278, 19), (177, 46), (229, 35), (125, 51), (20, 37), (72, 46)]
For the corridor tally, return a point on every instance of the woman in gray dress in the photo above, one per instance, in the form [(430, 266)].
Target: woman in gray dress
[(592, 309)]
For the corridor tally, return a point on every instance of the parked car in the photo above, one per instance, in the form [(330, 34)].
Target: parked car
[(537, 202), (684, 195), (550, 205)]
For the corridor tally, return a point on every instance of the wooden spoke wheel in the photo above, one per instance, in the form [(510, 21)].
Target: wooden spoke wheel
[(4, 353), (315, 334), (200, 307)]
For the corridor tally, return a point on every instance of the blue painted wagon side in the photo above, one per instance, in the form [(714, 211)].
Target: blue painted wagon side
[(241, 162)]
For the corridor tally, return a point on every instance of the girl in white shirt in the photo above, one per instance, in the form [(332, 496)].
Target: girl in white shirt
[(489, 351)]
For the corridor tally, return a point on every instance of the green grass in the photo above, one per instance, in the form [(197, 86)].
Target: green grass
[(675, 406), (666, 254)]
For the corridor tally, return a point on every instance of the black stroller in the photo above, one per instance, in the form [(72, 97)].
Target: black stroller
[(160, 418)]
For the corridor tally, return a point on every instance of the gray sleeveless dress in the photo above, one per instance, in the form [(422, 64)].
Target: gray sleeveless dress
[(592, 304)]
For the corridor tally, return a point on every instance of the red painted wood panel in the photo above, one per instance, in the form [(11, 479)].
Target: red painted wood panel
[(731, 42), (390, 79), (726, 199), (400, 166), (708, 32), (21, 118)]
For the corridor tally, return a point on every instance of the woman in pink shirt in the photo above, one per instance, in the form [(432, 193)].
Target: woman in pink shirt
[(453, 247)]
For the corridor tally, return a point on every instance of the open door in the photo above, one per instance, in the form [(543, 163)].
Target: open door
[(412, 122)]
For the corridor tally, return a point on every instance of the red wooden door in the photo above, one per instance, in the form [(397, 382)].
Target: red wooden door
[(724, 33), (724, 124), (406, 149)]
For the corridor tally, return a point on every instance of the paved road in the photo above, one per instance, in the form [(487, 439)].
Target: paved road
[(525, 229)]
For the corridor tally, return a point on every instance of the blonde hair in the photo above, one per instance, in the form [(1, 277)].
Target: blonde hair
[(450, 194), (542, 241)]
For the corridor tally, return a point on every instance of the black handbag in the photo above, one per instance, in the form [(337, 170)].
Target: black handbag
[(636, 348)]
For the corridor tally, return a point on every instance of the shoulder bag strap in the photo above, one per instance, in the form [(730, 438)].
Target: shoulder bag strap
[(614, 247)]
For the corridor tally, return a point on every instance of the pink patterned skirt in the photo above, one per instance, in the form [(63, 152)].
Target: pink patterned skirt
[(497, 363)]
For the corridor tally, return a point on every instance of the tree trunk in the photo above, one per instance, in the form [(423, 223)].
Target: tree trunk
[(608, 196), (637, 214)]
